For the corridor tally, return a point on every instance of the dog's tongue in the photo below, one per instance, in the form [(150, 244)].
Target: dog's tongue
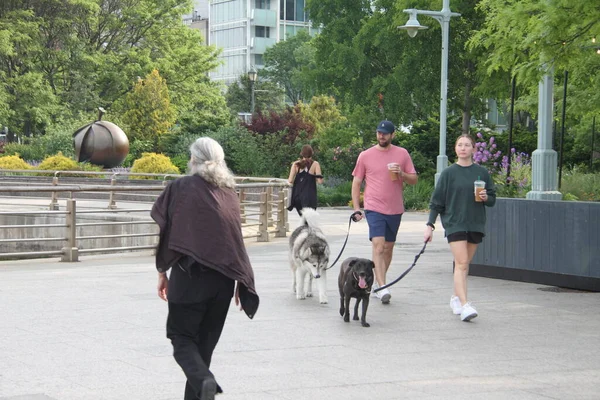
[(361, 282)]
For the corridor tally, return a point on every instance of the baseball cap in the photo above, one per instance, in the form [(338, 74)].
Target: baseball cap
[(386, 127)]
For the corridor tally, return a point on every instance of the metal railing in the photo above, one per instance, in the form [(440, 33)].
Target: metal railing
[(262, 209)]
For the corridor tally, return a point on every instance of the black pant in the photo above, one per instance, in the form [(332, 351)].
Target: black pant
[(195, 327)]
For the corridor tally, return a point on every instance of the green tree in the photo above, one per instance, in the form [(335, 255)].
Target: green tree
[(290, 63), (365, 60), (149, 111), (530, 38), (321, 112), (267, 95), (81, 54)]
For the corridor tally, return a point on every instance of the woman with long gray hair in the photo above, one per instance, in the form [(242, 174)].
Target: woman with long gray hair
[(201, 243)]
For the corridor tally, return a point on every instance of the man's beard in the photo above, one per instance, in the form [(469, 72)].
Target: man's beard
[(385, 143)]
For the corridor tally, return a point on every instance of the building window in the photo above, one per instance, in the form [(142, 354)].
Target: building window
[(262, 31), (258, 59), (292, 10), (263, 4)]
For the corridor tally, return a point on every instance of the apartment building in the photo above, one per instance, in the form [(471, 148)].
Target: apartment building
[(244, 29)]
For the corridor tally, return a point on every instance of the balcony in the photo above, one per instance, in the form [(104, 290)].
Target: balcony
[(263, 17), (259, 45)]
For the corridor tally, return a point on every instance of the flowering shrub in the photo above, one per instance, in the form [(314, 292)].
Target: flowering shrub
[(487, 154), (519, 181), (340, 161)]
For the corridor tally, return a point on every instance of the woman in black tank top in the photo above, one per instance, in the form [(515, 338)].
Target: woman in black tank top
[(304, 175)]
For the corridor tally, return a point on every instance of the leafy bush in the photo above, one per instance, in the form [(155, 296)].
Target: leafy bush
[(584, 187), (136, 150), (58, 162), (181, 162), (29, 152), (334, 196), (177, 143), (250, 154), (417, 197), (519, 182), (340, 161), (153, 163), (13, 162)]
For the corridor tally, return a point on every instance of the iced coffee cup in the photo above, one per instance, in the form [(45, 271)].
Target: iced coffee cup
[(393, 174), (479, 186)]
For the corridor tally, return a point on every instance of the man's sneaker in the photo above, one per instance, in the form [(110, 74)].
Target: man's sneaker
[(373, 287), (455, 305), (384, 295), (468, 312)]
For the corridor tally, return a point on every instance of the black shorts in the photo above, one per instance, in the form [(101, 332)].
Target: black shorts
[(470, 237)]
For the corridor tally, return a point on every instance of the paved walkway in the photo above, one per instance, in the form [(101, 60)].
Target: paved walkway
[(94, 330)]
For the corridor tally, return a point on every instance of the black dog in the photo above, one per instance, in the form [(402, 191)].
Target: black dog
[(355, 280)]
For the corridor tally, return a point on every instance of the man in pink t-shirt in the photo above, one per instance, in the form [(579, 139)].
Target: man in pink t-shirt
[(385, 168)]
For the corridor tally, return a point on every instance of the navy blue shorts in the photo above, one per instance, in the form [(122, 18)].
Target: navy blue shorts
[(383, 225)]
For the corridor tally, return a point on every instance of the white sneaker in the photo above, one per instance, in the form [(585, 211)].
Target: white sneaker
[(468, 312), (384, 295), (455, 305), (373, 287)]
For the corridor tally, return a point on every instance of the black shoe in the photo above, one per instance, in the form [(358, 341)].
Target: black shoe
[(209, 389)]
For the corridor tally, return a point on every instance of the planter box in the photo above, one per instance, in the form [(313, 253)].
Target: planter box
[(548, 242)]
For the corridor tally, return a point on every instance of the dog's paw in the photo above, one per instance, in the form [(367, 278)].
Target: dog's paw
[(365, 324), (342, 311), (323, 300), (347, 318), (309, 294), (355, 318), (300, 297)]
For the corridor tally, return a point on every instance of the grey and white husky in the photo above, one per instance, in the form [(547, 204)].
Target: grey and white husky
[(309, 255)]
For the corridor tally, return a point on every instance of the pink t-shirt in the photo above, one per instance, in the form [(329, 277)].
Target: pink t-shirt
[(382, 194)]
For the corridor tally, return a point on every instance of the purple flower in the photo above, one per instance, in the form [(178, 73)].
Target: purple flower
[(479, 135), (493, 145), (492, 140), (484, 159), (512, 150), (495, 164)]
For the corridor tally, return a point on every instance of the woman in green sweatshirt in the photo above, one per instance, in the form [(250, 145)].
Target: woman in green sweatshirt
[(463, 216)]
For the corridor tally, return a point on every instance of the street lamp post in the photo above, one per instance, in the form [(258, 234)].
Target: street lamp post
[(413, 27), (252, 75)]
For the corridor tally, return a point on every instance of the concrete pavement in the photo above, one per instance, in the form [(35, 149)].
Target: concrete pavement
[(94, 330)]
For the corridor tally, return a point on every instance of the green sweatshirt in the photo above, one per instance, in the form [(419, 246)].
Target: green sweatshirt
[(454, 199)]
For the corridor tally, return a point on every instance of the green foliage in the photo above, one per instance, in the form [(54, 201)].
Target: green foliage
[(181, 162), (338, 195), (58, 162), (268, 96), (175, 144), (337, 134), (290, 63), (584, 187), (29, 152), (153, 163), (59, 58), (149, 113), (417, 197), (321, 112), (136, 150), (339, 162), (13, 162)]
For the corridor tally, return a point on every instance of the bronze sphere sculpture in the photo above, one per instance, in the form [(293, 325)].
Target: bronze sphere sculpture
[(101, 143)]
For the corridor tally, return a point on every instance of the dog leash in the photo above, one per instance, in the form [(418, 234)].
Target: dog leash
[(405, 272), (352, 218)]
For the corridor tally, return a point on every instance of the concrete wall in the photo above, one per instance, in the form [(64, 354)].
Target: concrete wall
[(550, 242)]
